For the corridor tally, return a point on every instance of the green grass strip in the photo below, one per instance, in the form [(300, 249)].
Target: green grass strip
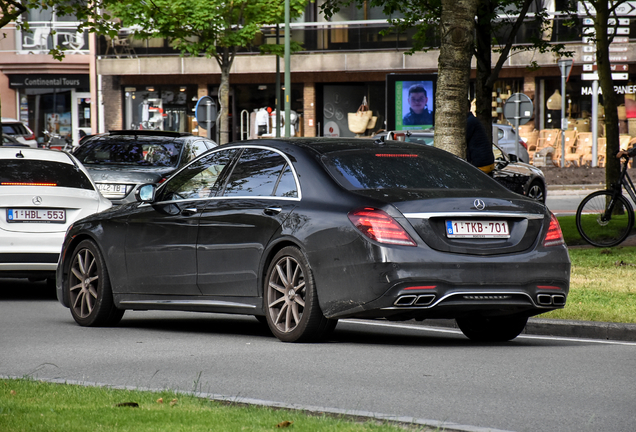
[(33, 406)]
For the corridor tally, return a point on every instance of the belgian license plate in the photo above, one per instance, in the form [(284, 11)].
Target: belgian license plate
[(111, 189), (36, 215), (477, 229)]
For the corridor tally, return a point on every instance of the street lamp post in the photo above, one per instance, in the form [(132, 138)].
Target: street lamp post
[(566, 66), (287, 71)]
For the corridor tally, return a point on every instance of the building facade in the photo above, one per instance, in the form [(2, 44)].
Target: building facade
[(146, 84)]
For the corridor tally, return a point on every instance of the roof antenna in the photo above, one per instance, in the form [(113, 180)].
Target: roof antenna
[(19, 155)]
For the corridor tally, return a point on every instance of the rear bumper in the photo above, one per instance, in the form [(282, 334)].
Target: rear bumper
[(24, 253), (404, 283)]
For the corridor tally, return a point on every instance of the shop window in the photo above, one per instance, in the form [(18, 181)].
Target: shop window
[(160, 108)]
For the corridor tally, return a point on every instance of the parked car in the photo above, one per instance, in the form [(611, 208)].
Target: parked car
[(42, 192), (9, 141), (19, 130), (119, 161), (302, 232), (505, 137), (517, 176)]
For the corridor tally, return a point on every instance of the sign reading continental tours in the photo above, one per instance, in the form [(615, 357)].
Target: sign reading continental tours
[(49, 81)]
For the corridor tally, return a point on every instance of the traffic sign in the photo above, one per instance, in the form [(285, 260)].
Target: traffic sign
[(205, 112), (518, 110), (619, 67), (627, 8), (524, 105), (593, 76)]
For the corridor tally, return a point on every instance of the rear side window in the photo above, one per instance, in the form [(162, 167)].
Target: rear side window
[(24, 172), (257, 173), (412, 168), (14, 129)]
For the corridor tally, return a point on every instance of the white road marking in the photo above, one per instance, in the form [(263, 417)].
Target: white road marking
[(456, 331)]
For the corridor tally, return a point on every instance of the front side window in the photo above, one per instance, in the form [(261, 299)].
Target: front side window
[(257, 173), (201, 179), (25, 172)]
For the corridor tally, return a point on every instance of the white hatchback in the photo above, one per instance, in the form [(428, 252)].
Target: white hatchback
[(42, 192)]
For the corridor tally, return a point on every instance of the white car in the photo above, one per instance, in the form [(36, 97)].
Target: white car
[(42, 192), (19, 131)]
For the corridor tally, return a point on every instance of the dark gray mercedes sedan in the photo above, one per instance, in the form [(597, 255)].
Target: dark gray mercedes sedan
[(302, 232)]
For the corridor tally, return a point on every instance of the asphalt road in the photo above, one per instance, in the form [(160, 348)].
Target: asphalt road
[(530, 384)]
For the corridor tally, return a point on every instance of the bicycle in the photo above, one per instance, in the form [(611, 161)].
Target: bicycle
[(605, 218)]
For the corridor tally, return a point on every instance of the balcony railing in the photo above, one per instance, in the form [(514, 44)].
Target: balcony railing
[(42, 36), (338, 36)]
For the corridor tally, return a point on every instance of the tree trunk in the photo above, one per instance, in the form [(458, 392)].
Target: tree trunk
[(612, 165), (224, 102), (451, 102), (483, 53)]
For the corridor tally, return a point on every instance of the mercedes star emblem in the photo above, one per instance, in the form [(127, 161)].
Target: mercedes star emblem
[(479, 204), (37, 200)]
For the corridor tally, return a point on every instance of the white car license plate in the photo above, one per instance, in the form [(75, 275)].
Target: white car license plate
[(477, 229), (112, 189), (36, 215)]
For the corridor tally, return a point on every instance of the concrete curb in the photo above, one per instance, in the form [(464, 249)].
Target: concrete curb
[(563, 328), (581, 187)]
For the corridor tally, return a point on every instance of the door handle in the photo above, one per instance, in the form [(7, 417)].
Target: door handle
[(189, 211), (272, 211)]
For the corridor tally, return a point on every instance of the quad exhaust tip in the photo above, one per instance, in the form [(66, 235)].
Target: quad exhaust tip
[(551, 300), (414, 300)]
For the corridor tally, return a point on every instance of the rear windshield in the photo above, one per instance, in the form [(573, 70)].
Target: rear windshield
[(130, 151), (14, 129), (410, 169), (24, 172)]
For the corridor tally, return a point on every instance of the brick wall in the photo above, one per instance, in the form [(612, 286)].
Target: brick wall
[(309, 109), (113, 103)]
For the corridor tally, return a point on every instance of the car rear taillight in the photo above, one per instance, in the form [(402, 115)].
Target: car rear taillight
[(554, 237), (163, 179), (379, 226), (523, 143), (30, 137)]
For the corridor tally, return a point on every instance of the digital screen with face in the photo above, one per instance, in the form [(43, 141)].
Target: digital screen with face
[(410, 102)]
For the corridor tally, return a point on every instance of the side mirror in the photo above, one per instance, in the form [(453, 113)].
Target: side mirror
[(513, 157), (146, 193)]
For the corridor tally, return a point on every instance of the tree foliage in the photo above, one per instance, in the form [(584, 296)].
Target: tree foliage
[(89, 16), (214, 28), (496, 25)]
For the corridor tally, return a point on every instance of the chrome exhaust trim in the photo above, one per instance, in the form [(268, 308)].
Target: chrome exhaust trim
[(424, 300), (406, 300), (558, 300), (544, 299)]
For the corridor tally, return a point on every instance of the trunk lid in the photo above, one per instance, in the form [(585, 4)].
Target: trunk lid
[(484, 223)]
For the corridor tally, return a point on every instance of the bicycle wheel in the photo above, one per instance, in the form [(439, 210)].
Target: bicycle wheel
[(599, 230)]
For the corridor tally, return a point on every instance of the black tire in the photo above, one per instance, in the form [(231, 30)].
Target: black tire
[(291, 300), (537, 191), (492, 329), (88, 288), (595, 228)]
